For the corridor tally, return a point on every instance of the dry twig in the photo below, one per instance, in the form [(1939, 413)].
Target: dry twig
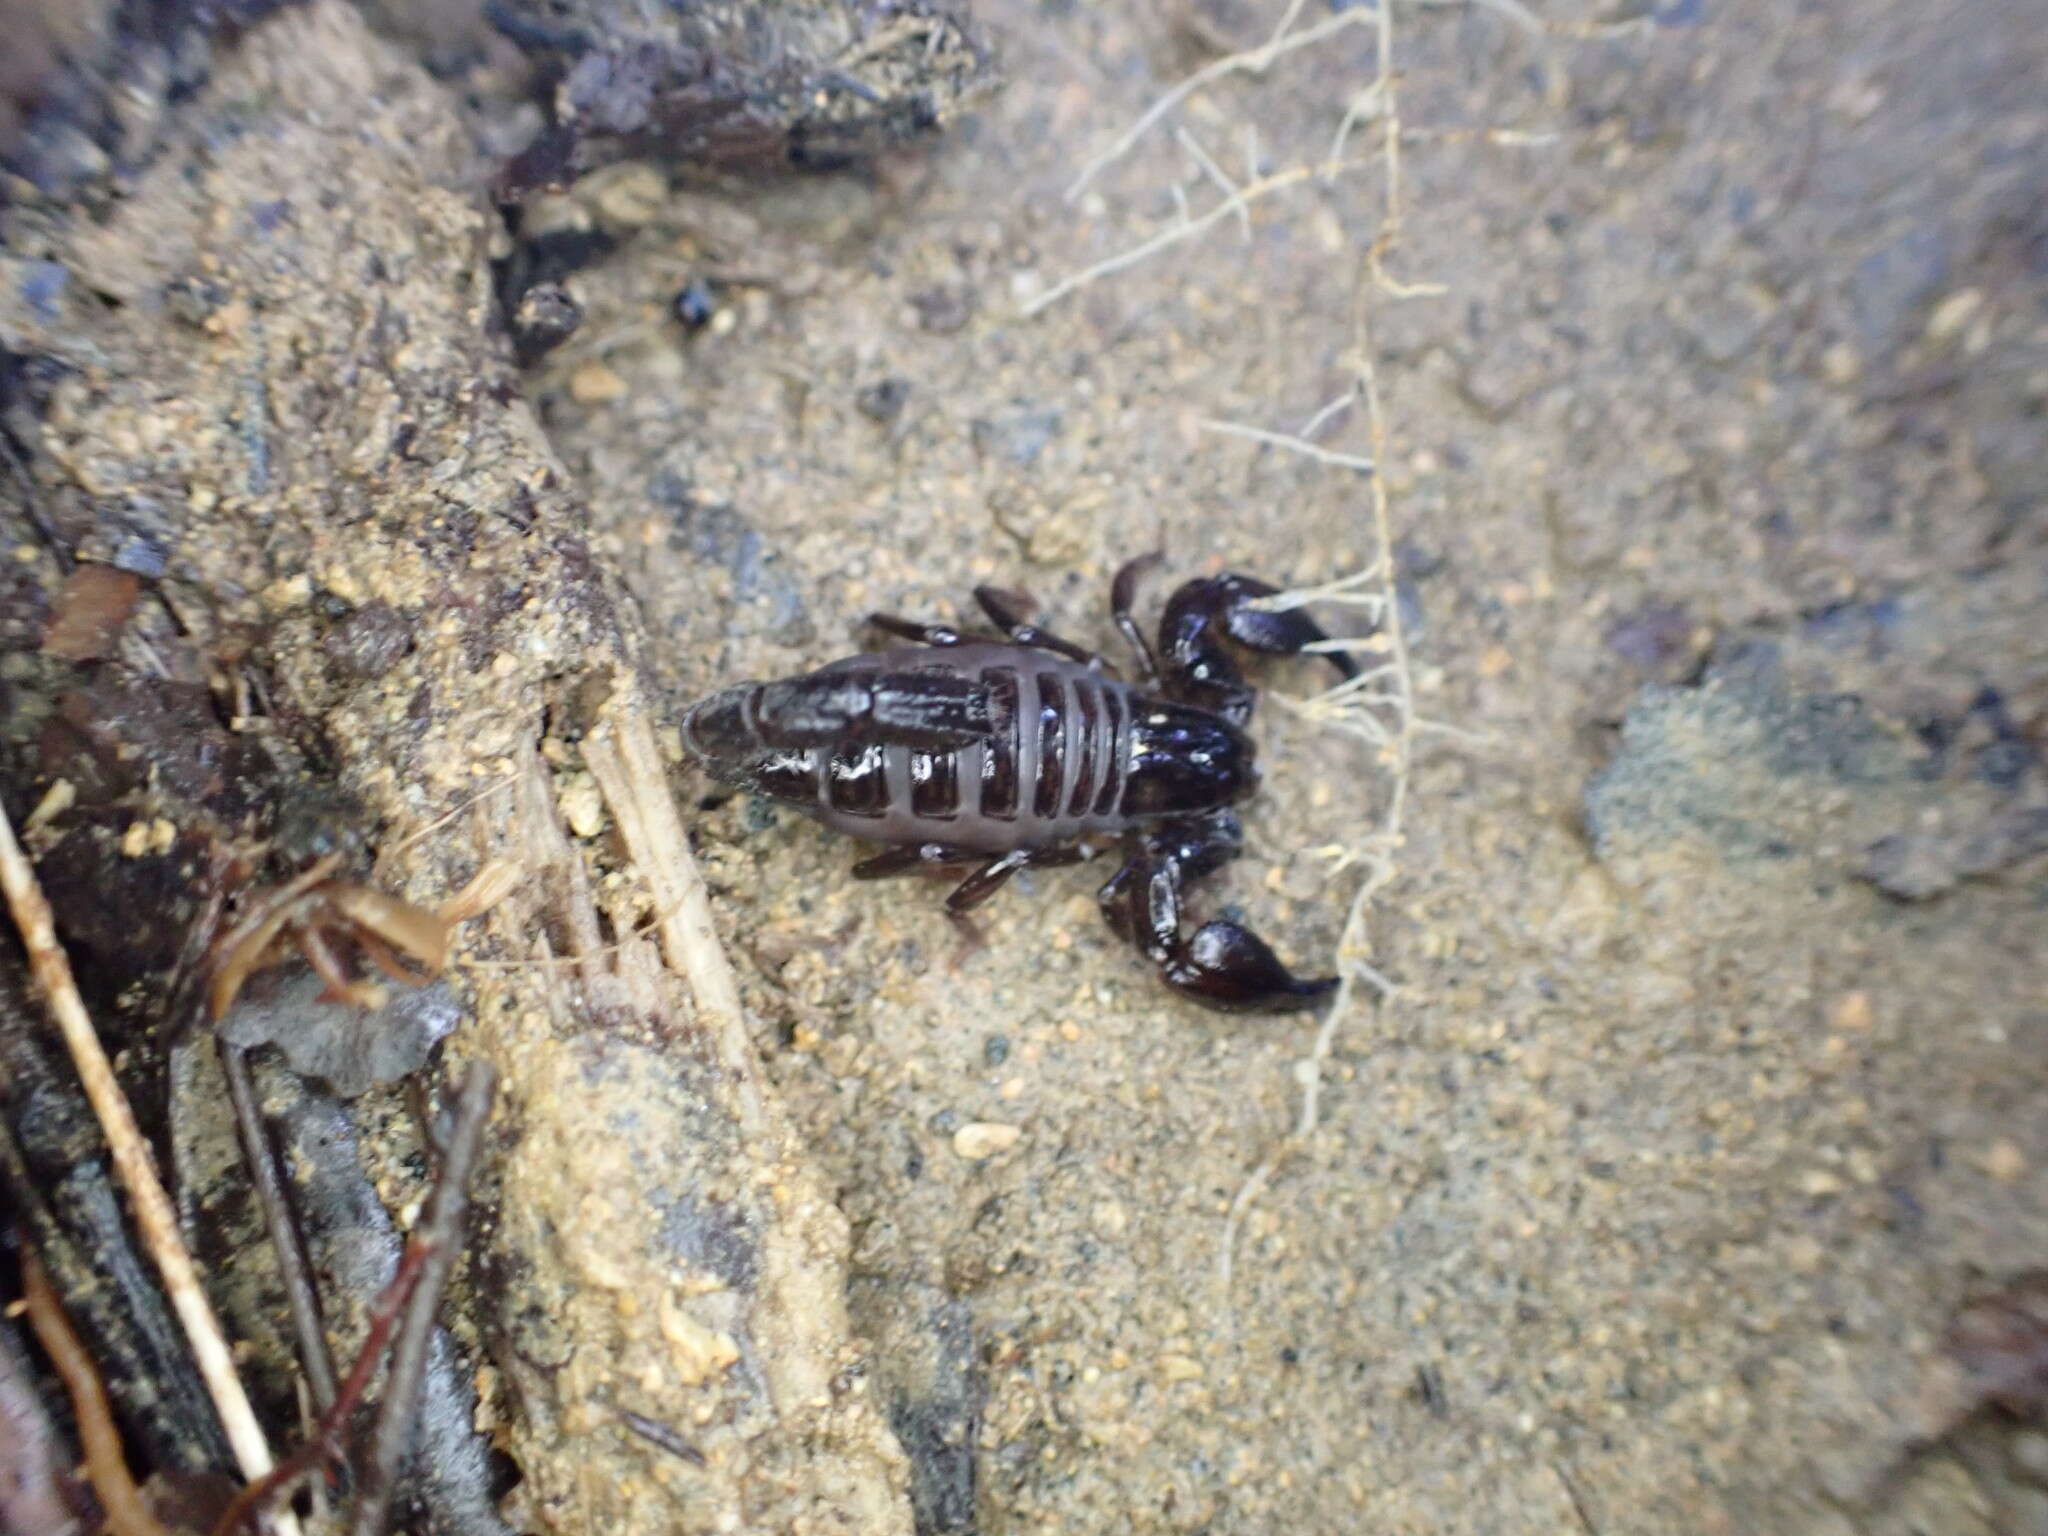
[(407, 1307), (300, 1297), (154, 1214), (128, 1513), (624, 760), (325, 1443), (438, 1240)]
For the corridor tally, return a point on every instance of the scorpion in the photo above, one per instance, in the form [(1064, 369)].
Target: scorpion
[(1028, 751)]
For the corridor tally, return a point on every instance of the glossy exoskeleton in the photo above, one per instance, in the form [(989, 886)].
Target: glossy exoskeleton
[(1029, 751)]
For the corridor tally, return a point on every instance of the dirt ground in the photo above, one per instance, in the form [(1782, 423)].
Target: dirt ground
[(1640, 1207), (1713, 354)]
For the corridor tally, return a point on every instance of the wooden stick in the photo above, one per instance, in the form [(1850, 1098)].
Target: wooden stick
[(301, 1299), (128, 1513), (154, 1216), (325, 1443), (439, 1241)]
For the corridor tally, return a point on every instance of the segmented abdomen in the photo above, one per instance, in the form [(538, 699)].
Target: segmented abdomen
[(1053, 768)]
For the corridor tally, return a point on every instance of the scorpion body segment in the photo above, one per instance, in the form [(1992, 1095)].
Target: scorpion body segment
[(1058, 751), (1030, 751)]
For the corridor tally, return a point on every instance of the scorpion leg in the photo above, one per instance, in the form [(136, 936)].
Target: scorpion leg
[(923, 634), (1224, 965), (912, 858), (1208, 610), (993, 875), (1009, 610), (1123, 591), (1198, 845)]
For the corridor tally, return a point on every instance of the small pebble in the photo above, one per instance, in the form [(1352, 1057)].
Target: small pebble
[(2004, 1161), (1852, 1010), (546, 316), (1804, 1256), (943, 311), (979, 1139), (696, 303), (142, 555), (1180, 1368), (2029, 1453), (368, 641), (595, 384), (582, 805), (882, 401), (55, 802), (630, 196), (193, 300), (1953, 313)]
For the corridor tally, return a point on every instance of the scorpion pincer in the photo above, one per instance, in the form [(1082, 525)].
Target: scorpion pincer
[(1027, 751)]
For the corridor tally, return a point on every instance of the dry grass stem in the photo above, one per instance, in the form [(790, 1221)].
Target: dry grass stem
[(1513, 10), (1252, 61), (154, 1215), (1364, 107), (1379, 710), (1327, 413), (1284, 40), (1187, 228), (628, 768), (1218, 175), (490, 885), (622, 756), (1364, 588), (1290, 442), (386, 854), (1386, 719)]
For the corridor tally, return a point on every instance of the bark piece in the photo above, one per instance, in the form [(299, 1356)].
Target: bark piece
[(342, 430)]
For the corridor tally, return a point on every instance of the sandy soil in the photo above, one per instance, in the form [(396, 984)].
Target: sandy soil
[(1712, 345), (1641, 1205)]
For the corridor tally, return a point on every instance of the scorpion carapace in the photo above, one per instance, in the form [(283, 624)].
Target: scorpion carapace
[(1029, 751)]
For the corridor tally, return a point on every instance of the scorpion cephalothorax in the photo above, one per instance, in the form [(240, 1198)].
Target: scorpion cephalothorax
[(1029, 751)]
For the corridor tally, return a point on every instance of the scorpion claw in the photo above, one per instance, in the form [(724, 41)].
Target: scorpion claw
[(1282, 632), (1230, 967), (1222, 964), (1208, 610)]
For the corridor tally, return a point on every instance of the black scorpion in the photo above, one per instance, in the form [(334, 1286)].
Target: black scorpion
[(1028, 751)]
